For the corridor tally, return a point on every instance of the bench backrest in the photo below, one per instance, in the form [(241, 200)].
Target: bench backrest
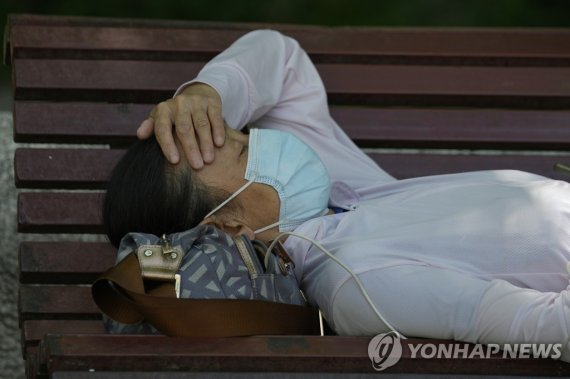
[(420, 101)]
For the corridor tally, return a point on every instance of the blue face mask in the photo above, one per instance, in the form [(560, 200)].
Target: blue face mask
[(296, 172)]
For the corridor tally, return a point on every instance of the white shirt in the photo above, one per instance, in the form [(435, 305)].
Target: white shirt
[(477, 257)]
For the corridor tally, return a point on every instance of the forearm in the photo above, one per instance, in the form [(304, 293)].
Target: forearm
[(249, 75)]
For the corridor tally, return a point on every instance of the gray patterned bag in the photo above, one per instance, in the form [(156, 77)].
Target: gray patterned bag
[(203, 263)]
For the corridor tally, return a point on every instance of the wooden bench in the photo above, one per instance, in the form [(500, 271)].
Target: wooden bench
[(421, 101)]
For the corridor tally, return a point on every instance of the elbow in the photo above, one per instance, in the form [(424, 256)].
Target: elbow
[(271, 41)]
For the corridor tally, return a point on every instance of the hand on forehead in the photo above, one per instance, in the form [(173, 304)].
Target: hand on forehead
[(195, 117)]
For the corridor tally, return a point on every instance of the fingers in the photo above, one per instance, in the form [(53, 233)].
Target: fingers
[(197, 145), (196, 114), (218, 127), (163, 131), (190, 147), (145, 129), (203, 132)]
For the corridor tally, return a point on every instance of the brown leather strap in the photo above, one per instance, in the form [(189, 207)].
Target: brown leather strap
[(120, 294)]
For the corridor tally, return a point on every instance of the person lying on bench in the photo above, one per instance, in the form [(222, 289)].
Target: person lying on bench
[(477, 256)]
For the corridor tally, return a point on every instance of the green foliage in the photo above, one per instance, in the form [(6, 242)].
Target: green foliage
[(323, 12)]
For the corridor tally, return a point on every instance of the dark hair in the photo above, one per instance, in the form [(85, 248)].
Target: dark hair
[(148, 194)]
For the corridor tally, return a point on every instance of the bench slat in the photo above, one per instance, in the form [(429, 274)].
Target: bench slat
[(369, 127), (56, 302), (64, 212), (455, 128), (360, 44), (74, 122), (59, 212), (34, 330), (205, 375), (120, 81), (262, 354), (90, 169), (64, 262), (64, 168), (31, 355), (404, 166)]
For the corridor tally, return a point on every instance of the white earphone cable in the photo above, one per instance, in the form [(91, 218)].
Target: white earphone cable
[(337, 261)]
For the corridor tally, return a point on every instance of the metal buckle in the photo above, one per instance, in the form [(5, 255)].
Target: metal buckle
[(160, 262), (167, 248), (284, 260)]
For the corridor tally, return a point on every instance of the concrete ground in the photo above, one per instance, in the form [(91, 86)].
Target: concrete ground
[(11, 363)]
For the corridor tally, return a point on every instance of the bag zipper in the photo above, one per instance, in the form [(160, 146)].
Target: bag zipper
[(246, 257)]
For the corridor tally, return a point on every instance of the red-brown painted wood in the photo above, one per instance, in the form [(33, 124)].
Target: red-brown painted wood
[(72, 212), (34, 37), (56, 302), (263, 354), (404, 166), (120, 81), (34, 330), (64, 168), (99, 123), (90, 169), (64, 262), (74, 122), (57, 212)]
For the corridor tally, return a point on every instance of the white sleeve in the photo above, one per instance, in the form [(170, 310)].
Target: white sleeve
[(267, 79), (265, 73), (438, 303), (517, 315)]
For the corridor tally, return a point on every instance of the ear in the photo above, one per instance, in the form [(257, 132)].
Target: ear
[(232, 226)]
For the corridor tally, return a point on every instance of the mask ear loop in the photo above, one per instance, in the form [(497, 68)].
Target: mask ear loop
[(260, 230), (337, 261), (229, 198)]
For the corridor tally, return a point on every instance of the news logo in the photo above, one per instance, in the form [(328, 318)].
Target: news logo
[(384, 350)]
